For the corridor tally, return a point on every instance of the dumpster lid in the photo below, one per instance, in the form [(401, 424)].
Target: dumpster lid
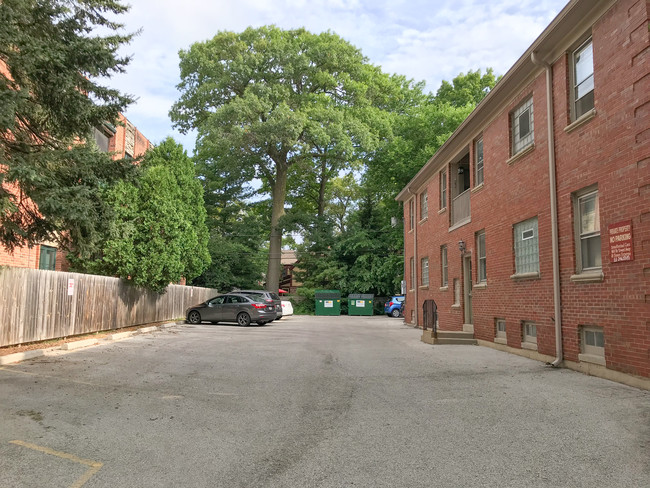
[(329, 294), (361, 296)]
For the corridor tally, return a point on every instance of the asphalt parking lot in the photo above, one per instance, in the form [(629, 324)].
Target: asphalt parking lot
[(313, 402)]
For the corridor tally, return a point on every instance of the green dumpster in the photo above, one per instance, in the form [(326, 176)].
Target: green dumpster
[(360, 304), (328, 302)]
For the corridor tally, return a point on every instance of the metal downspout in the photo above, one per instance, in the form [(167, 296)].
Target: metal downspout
[(554, 226), (415, 255)]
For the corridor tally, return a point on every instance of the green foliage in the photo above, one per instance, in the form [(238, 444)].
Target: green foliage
[(282, 106), (49, 101), (158, 234), (467, 89), (237, 246), (366, 257)]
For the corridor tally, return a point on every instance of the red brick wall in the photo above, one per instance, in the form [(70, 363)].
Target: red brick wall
[(116, 144), (611, 150), (25, 257)]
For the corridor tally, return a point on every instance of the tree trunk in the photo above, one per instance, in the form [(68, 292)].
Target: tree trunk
[(279, 194), (321, 189)]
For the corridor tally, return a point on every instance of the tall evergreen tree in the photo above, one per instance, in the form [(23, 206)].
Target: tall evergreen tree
[(51, 57)]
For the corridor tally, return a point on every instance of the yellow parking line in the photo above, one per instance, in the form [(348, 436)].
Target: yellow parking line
[(93, 465)]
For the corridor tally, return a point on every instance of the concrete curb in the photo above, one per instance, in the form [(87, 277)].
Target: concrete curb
[(144, 330), (21, 356), (119, 336), (71, 346)]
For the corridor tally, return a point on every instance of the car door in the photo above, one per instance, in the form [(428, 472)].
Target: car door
[(214, 311), (230, 308)]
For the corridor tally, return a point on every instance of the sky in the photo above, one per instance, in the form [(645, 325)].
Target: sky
[(429, 41)]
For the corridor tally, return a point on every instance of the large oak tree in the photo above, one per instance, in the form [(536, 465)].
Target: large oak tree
[(267, 100)]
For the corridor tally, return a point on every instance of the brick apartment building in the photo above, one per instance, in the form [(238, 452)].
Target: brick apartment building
[(123, 140), (530, 227)]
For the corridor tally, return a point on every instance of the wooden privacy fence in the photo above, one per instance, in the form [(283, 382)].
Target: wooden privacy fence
[(37, 305)]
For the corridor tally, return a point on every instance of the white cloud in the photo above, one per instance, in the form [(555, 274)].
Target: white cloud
[(421, 39)]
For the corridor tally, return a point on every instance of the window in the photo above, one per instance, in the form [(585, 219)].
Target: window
[(443, 189), (481, 256), (425, 271), (587, 214), (521, 121), (526, 247), (583, 79), (592, 341), (424, 205), (47, 258), (443, 264), (500, 328), (411, 213), (412, 263), (529, 332), (478, 161), (101, 139)]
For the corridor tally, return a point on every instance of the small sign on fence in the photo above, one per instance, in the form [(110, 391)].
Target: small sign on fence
[(70, 287)]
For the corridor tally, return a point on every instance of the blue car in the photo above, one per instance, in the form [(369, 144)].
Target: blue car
[(393, 307)]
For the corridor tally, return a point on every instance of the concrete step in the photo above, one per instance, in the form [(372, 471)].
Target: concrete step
[(457, 341), (455, 337)]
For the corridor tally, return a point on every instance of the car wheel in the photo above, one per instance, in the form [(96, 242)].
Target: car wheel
[(244, 319), (395, 313), (261, 323), (194, 317)]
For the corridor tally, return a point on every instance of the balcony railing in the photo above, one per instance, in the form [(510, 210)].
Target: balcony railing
[(460, 208)]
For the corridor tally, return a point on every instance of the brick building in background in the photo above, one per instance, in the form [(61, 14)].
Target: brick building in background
[(122, 140), (530, 227)]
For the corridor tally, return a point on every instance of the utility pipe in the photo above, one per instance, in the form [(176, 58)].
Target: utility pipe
[(554, 227), (415, 254)]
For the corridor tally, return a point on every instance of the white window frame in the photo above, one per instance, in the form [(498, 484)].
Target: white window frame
[(478, 162), (528, 332), (424, 205), (585, 82), (526, 262), (582, 236), (481, 257), (519, 142), (443, 189), (590, 337), (424, 278), (444, 266), (498, 325)]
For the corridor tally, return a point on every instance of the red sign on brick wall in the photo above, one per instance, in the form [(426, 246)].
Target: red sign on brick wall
[(620, 242)]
